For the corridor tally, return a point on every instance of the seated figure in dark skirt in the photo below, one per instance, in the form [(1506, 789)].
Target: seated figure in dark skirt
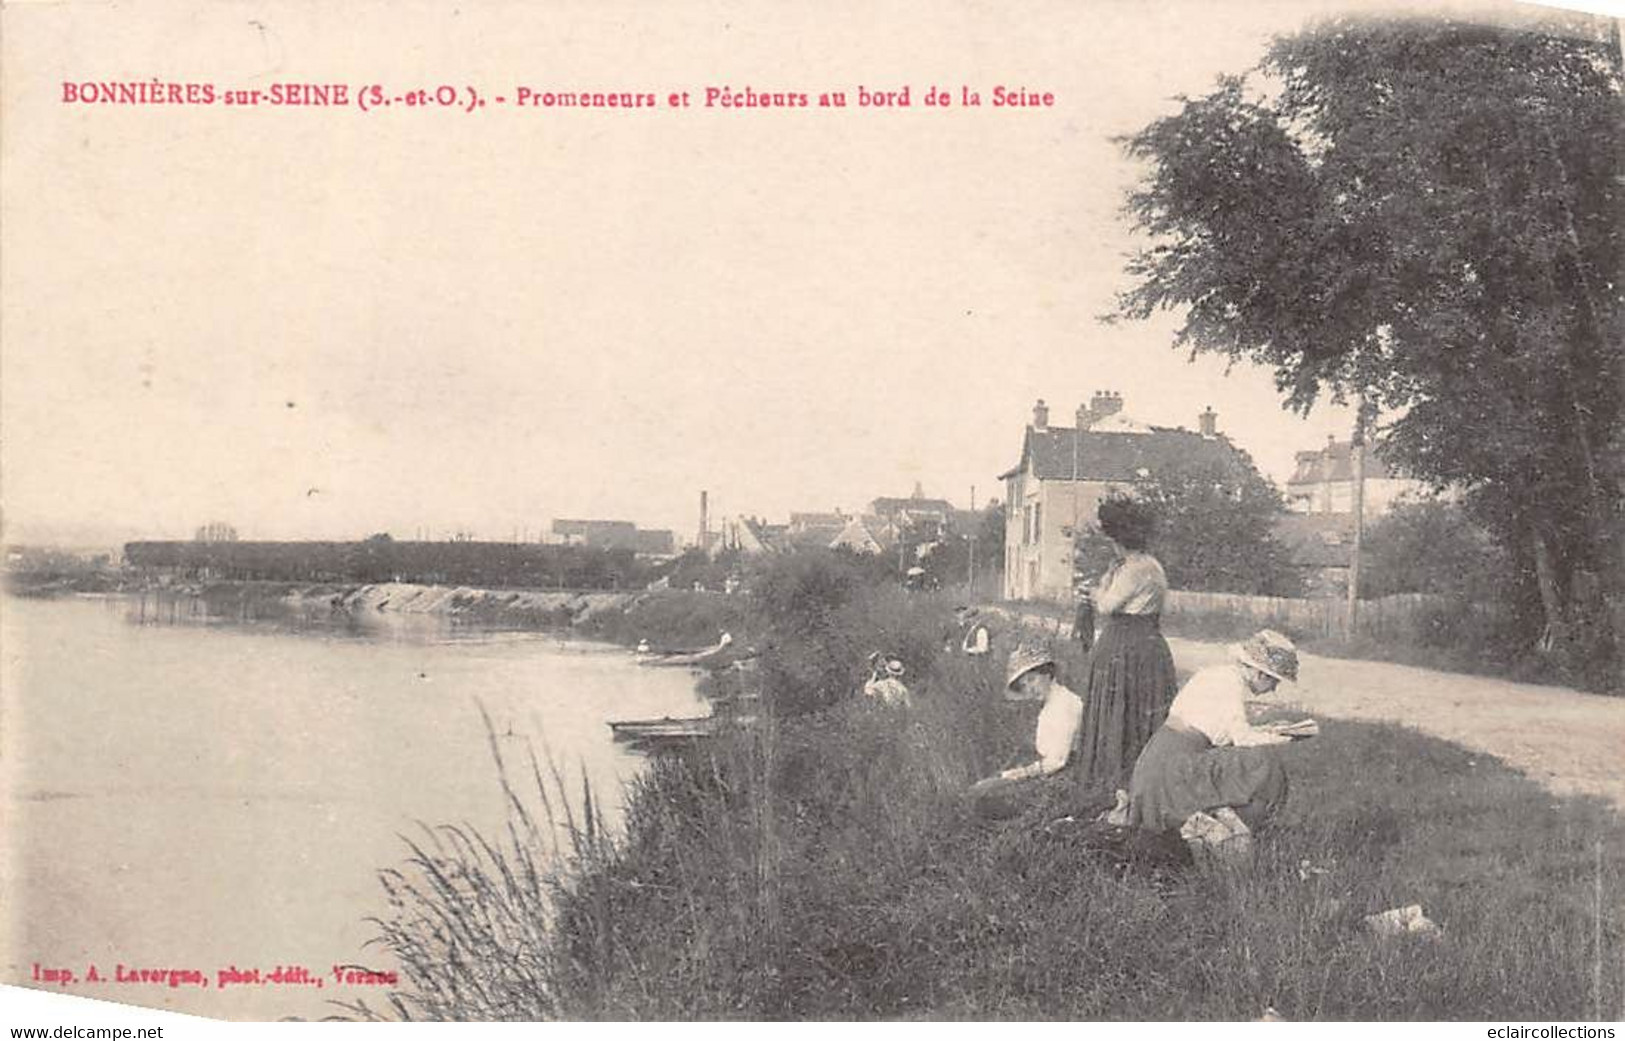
[(1131, 671), (1206, 772)]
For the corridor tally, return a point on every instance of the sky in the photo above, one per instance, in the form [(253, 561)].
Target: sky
[(323, 323)]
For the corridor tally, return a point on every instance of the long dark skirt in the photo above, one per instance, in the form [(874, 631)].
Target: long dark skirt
[(1131, 685), (1181, 773)]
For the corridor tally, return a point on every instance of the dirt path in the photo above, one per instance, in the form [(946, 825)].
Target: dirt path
[(1572, 743)]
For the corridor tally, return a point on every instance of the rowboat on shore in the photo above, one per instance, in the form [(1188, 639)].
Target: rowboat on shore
[(714, 654), (670, 730)]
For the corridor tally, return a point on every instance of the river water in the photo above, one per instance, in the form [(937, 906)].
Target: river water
[(201, 796)]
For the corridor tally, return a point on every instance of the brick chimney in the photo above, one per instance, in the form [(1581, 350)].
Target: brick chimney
[(1040, 415), (1105, 403), (1209, 421), (1083, 417)]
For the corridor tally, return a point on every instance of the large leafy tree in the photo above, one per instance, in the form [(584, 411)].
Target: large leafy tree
[(1215, 530), (1431, 546), (950, 560), (1425, 216)]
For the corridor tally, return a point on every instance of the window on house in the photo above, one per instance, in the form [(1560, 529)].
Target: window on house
[(1038, 525)]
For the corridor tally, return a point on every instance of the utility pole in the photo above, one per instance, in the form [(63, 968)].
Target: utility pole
[(970, 578), (1072, 555)]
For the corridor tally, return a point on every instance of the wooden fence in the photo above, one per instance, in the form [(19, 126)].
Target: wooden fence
[(1389, 617)]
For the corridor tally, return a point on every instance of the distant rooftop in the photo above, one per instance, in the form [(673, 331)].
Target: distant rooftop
[(1107, 445), (1335, 462), (1317, 539)]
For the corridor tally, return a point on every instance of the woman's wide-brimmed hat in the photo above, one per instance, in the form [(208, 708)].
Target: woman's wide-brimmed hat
[(895, 668), (1023, 660), (1270, 653)]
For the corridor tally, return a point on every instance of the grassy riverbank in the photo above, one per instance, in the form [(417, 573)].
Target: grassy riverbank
[(823, 866)]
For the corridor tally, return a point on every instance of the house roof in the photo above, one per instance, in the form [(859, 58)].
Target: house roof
[(1335, 462), (659, 541), (885, 506), (819, 535), (858, 536), (586, 527), (1117, 456), (1317, 539)]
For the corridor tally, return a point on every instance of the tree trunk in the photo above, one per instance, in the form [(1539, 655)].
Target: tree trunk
[(1616, 612), (1551, 600), (1357, 457), (1583, 367)]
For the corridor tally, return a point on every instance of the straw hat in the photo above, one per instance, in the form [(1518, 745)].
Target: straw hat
[(1023, 660), (1270, 653), (895, 668)]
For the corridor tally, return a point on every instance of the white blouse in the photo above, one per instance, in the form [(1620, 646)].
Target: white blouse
[(888, 690), (1214, 702), (1058, 724), (1135, 585)]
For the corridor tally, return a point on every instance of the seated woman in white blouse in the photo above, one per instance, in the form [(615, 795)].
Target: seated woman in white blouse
[(1206, 771), (1031, 677)]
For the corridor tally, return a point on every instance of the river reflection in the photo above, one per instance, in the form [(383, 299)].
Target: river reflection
[(200, 793)]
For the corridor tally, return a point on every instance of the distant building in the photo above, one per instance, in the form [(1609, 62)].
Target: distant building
[(216, 532), (1052, 493), (887, 522), (740, 535), (659, 542), (1323, 482), (859, 537), (1322, 549), (597, 534), (916, 510), (969, 522), (814, 529)]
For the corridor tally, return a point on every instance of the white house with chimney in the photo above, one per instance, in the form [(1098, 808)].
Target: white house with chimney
[(1065, 471)]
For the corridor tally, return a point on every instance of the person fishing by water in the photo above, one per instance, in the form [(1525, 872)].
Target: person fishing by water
[(1131, 671), (1083, 617), (885, 683), (975, 636), (1032, 677), (1207, 771)]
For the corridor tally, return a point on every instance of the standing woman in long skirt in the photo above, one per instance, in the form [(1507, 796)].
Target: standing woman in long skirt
[(1131, 672)]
